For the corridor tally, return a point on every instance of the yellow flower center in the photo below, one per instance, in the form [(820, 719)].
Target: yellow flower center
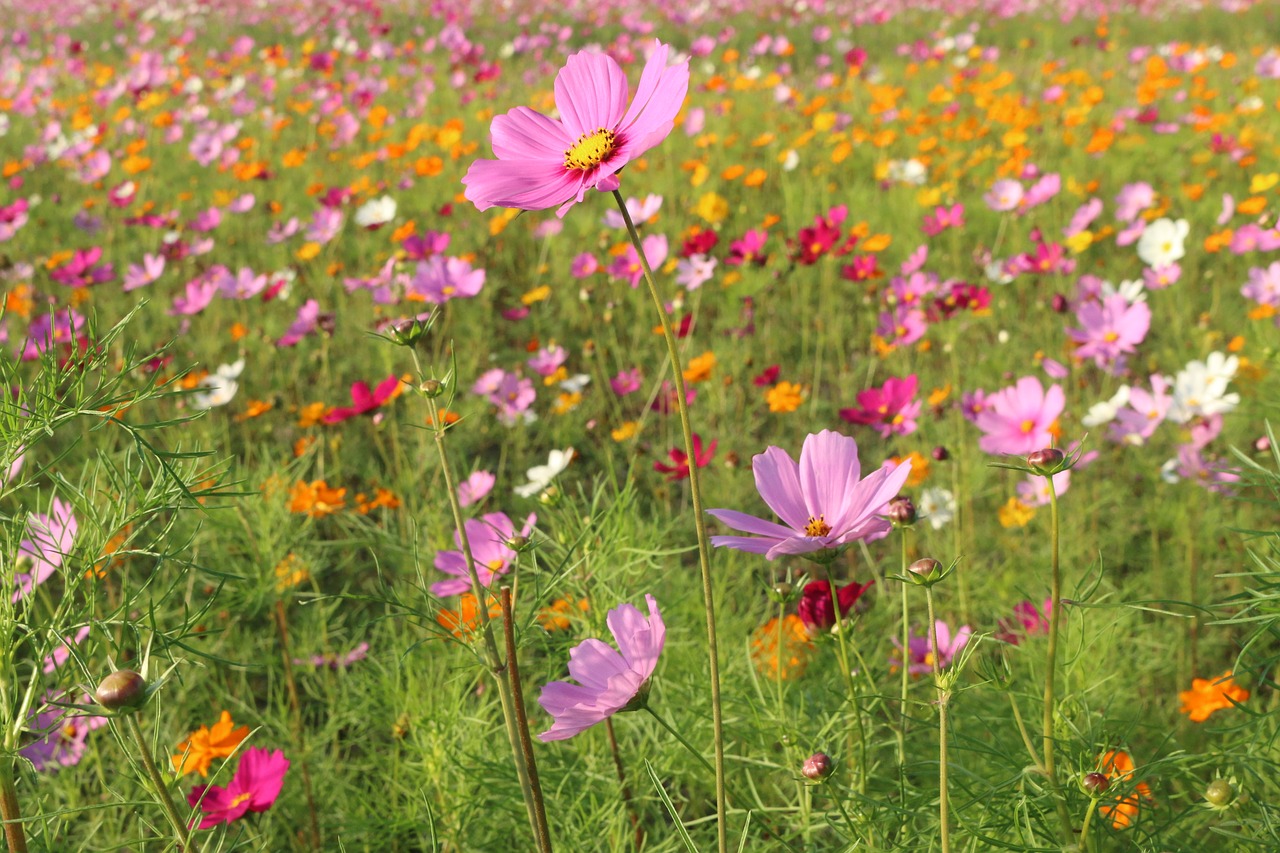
[(240, 798), (591, 149), (817, 526), (495, 565), (1028, 425), (1111, 337)]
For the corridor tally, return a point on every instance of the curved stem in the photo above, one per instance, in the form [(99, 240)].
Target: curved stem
[(161, 788), (704, 543), (842, 646), (1051, 662)]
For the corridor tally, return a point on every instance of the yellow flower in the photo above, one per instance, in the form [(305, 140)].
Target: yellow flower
[(1016, 514), (784, 397), (699, 369), (712, 207), (622, 433)]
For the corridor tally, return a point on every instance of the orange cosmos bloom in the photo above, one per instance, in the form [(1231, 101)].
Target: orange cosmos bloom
[(784, 397), (1119, 767), (1208, 695), (464, 621), (206, 744), (786, 659), (316, 498)]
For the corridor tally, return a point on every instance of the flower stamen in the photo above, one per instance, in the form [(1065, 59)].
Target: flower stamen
[(817, 526), (591, 149)]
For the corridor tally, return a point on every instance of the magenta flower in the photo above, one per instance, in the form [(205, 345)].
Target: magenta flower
[(1031, 620), (890, 409), (608, 681), (921, 652), (679, 467), (364, 400), (439, 279), (489, 536), (1017, 420), (815, 608), (256, 785), (825, 503), (544, 162)]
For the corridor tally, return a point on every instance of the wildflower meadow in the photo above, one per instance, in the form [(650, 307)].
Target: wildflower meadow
[(729, 425)]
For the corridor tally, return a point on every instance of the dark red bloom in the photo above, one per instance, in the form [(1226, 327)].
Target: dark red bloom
[(680, 469), (700, 244), (767, 377), (815, 608)]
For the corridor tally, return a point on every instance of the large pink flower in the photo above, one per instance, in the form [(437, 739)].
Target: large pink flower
[(1018, 419), (543, 162), (608, 680), (824, 500), (256, 785)]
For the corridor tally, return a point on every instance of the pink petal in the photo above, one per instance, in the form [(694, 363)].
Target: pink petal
[(524, 134), (829, 471), (591, 93), (778, 481), (523, 184)]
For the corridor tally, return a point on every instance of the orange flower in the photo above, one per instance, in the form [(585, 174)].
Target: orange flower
[(1208, 695), (205, 744), (784, 397), (464, 621), (700, 367), (787, 659), (555, 616), (1119, 767), (316, 498)]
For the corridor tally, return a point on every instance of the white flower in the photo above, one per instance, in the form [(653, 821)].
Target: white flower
[(540, 476), (376, 212), (1133, 290), (220, 387), (1200, 388), (937, 506), (790, 160), (1161, 242), (576, 383), (908, 172), (1105, 412)]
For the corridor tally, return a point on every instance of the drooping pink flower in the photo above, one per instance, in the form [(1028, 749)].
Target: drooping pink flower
[(489, 536), (1031, 620), (891, 409), (816, 608), (1017, 419), (608, 681), (254, 788), (544, 162), (823, 500)]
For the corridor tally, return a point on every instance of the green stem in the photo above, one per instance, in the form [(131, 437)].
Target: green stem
[(906, 675), (671, 730), (1051, 661), (842, 647), (158, 783), (543, 833), (944, 696), (1026, 737), (492, 657), (1085, 842), (704, 543), (9, 811)]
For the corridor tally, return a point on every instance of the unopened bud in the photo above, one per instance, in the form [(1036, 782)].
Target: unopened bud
[(1047, 462), (1219, 794), (121, 689), (1060, 304), (941, 454), (817, 767), (901, 512), (1095, 783), (926, 571), (431, 387)]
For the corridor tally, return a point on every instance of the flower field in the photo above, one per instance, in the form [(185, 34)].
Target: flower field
[(743, 425)]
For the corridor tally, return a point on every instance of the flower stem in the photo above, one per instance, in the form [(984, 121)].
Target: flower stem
[(1051, 662), (627, 796), (944, 697), (842, 647), (522, 721), (702, 759), (905, 670), (295, 718), (9, 811), (1085, 842), (700, 526), (492, 657), (161, 788), (1022, 729)]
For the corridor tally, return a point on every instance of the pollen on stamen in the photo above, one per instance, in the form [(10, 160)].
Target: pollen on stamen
[(591, 149), (817, 526)]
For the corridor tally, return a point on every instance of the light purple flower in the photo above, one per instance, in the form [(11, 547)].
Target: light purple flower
[(921, 651), (825, 503), (1110, 329), (60, 740), (439, 279), (608, 680), (473, 489), (488, 536), (51, 538), (1005, 195)]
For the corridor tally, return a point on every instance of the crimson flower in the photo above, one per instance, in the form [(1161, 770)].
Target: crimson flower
[(815, 608), (364, 400), (545, 162), (680, 470), (254, 788), (891, 409)]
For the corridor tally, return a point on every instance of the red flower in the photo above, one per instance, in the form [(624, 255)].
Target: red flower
[(815, 608), (364, 400), (256, 785), (680, 469)]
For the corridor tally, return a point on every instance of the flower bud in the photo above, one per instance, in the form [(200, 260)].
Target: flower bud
[(408, 332), (1095, 784), (518, 543), (817, 767), (941, 454), (121, 689), (1060, 304), (926, 571), (901, 512), (431, 387), (1047, 462), (1220, 793)]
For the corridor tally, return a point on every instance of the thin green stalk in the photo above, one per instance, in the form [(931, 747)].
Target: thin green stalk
[(158, 783), (1051, 662), (905, 672), (522, 721), (492, 656), (704, 543), (1026, 737), (671, 730), (1086, 843), (944, 697), (9, 810), (846, 671)]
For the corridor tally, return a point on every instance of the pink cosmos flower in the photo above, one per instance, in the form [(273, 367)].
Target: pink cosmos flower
[(473, 489), (1110, 329), (921, 652), (627, 266), (626, 382), (439, 279), (308, 321), (943, 218), (60, 737), (256, 785), (488, 536), (1146, 410), (51, 539), (1032, 620), (1017, 419), (1004, 195), (825, 503), (136, 276), (609, 681), (544, 162), (333, 661), (890, 409)]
